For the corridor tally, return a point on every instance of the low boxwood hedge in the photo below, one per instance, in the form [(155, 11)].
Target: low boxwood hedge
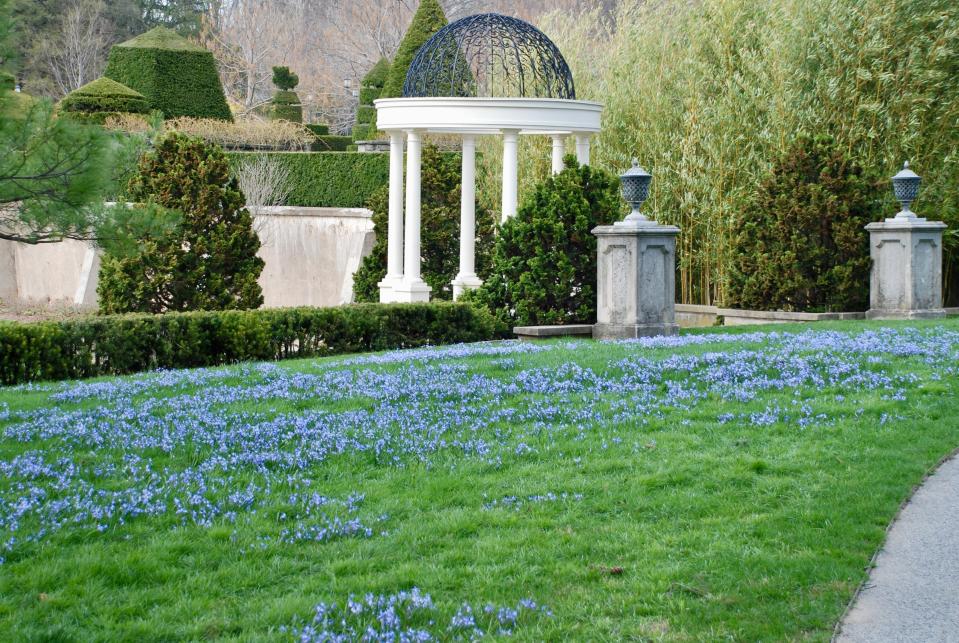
[(122, 344), (318, 129)]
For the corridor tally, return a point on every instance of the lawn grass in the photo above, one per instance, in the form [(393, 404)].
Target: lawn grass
[(730, 489)]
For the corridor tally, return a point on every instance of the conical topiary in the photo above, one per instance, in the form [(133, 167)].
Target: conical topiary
[(99, 99), (176, 76), (429, 19), (365, 127)]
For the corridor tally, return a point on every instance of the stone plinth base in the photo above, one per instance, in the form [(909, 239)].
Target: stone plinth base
[(633, 331), (547, 332), (410, 292), (462, 283), (635, 281), (874, 313), (906, 279)]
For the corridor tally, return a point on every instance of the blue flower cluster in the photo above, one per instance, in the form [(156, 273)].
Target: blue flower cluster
[(210, 446), (407, 616)]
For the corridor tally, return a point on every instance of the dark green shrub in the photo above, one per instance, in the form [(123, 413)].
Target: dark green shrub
[(428, 19), (120, 344), (209, 261), (365, 114), (439, 231), (8, 82), (98, 100), (544, 262), (176, 77), (800, 245), (364, 132), (330, 179), (369, 94), (284, 79), (376, 77), (331, 143), (318, 129)]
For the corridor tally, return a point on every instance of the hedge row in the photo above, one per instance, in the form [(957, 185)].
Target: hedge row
[(117, 345), (318, 129), (330, 143), (330, 179)]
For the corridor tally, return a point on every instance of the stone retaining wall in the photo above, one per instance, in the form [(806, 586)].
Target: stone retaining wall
[(311, 255)]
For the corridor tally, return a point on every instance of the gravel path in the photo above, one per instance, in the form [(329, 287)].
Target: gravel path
[(913, 591)]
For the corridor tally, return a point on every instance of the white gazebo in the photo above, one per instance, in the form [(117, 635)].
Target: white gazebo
[(483, 75)]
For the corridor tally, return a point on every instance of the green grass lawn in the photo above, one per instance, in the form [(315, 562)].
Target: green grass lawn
[(725, 485)]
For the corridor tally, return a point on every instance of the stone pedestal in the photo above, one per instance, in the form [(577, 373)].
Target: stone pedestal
[(906, 281), (636, 280)]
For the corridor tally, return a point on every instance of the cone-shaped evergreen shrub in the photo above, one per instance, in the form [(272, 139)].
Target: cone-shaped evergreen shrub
[(544, 261), (428, 19), (800, 245), (176, 76), (440, 230), (102, 98), (209, 262)]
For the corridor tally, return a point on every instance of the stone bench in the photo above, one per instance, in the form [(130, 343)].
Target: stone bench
[(547, 332)]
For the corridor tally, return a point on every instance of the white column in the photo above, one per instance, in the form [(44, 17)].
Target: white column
[(394, 262), (559, 150), (467, 279), (510, 172), (412, 288), (582, 147)]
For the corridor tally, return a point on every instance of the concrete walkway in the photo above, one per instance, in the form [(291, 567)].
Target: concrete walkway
[(913, 592)]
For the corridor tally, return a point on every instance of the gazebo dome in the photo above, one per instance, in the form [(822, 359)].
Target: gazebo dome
[(489, 55)]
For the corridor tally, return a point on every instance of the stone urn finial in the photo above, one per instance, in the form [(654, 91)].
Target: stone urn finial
[(635, 182), (905, 186)]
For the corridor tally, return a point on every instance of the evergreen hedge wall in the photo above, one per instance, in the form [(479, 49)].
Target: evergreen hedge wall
[(176, 76), (330, 179), (117, 345)]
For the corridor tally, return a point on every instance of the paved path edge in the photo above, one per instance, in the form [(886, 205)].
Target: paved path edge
[(837, 628)]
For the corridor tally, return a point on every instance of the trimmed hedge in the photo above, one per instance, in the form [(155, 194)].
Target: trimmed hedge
[(102, 98), (330, 143), (364, 132), (118, 345), (318, 129), (287, 107), (369, 94), (176, 76), (8, 82), (365, 114), (330, 179)]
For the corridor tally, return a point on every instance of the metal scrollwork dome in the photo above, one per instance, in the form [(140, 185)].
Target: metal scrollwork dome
[(489, 56)]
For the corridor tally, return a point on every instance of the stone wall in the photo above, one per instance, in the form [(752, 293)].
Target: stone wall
[(311, 255)]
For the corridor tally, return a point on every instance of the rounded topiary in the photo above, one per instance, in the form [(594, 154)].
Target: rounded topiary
[(176, 76), (428, 19), (544, 262), (102, 98), (440, 230), (801, 243), (208, 261)]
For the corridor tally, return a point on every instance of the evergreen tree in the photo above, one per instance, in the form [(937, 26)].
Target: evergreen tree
[(209, 261), (55, 175), (544, 262), (801, 243), (428, 19)]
